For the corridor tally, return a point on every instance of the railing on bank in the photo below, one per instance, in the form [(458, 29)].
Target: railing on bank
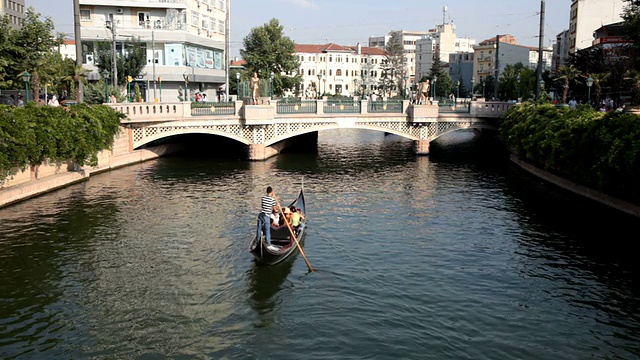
[(212, 108), (287, 106), (342, 107), (381, 106)]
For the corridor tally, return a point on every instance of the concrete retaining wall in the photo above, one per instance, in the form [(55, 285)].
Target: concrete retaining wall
[(610, 201), (37, 180)]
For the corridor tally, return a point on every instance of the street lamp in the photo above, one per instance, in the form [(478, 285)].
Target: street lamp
[(25, 78), (185, 76), (238, 84), (472, 82), (105, 75), (541, 87), (319, 80), (518, 80), (483, 84), (435, 79), (457, 90), (406, 92), (589, 84), (271, 81)]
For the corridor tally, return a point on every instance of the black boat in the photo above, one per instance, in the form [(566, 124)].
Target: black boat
[(281, 238)]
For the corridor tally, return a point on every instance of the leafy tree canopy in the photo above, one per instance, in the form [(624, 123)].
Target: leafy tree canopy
[(267, 50), (130, 64)]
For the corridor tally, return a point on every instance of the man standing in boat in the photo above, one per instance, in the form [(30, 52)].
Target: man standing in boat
[(267, 205)]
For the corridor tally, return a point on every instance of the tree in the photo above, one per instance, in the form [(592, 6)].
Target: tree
[(25, 49), (79, 75), (393, 64), (565, 76), (267, 50), (130, 63), (631, 16)]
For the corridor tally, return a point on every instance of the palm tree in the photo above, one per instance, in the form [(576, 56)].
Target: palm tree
[(78, 76), (633, 79), (598, 80), (566, 75)]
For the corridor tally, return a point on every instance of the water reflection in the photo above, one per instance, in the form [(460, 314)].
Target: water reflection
[(265, 284)]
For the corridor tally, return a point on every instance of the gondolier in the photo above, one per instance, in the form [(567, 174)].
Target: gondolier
[(267, 205)]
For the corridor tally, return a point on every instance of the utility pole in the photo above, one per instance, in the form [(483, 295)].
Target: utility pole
[(77, 34), (111, 25), (497, 72), (540, 50)]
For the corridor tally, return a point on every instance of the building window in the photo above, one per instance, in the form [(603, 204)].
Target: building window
[(221, 26), (205, 22), (221, 5), (195, 18), (143, 20), (85, 15), (338, 72)]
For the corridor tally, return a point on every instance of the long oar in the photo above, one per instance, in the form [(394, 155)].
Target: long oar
[(293, 235)]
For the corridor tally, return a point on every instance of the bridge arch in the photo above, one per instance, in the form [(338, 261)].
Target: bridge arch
[(186, 131)]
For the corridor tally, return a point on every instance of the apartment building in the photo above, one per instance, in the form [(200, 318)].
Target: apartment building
[(442, 39), (338, 69), (510, 53), (409, 39), (588, 15), (15, 10), (185, 42), (560, 50)]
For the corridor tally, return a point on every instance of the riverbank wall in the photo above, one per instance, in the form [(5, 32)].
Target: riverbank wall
[(36, 180), (583, 191)]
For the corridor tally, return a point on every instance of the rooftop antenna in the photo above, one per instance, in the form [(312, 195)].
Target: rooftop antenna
[(444, 14)]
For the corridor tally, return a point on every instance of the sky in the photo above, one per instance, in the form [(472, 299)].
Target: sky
[(348, 22)]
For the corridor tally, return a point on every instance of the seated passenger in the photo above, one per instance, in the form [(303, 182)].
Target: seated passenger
[(287, 215), (275, 218), (296, 217)]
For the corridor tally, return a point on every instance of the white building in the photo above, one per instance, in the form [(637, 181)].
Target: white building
[(443, 39), (184, 39), (510, 54), (342, 70), (409, 39), (68, 49), (15, 10), (588, 15)]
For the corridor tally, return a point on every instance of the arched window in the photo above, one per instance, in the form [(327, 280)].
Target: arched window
[(338, 72)]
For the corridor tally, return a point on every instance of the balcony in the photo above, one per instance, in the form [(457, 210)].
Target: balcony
[(158, 4)]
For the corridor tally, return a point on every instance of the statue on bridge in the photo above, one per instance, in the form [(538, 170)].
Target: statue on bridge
[(255, 88), (423, 92)]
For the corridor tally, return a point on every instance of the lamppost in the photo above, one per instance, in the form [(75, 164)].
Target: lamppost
[(589, 84), (238, 85), (319, 80), (185, 76), (355, 82), (105, 75), (483, 84), (406, 92), (457, 90), (541, 83), (472, 90), (271, 82), (435, 79), (518, 80), (25, 78)]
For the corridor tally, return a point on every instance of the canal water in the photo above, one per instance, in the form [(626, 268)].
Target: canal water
[(457, 255)]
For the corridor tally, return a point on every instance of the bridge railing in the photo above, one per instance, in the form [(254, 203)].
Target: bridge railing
[(383, 106), (492, 109), (286, 106), (342, 107), (213, 108)]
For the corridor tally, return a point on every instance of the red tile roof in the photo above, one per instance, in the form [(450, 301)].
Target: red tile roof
[(240, 62), (331, 47)]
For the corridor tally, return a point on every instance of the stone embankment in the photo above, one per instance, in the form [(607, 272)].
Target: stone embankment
[(583, 191), (40, 179)]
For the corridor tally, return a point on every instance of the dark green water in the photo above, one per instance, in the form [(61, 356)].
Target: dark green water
[(453, 256)]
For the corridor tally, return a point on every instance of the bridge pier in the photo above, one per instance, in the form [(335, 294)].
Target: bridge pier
[(259, 152), (421, 147)]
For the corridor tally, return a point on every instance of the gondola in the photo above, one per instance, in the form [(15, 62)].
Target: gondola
[(281, 238)]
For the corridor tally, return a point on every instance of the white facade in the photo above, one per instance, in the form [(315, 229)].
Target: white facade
[(183, 39), (588, 15), (68, 49), (510, 54), (409, 44), (443, 38), (15, 10), (341, 70)]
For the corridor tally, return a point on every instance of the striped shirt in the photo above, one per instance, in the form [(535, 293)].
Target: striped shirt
[(266, 204)]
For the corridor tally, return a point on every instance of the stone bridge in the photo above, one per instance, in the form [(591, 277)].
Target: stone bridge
[(267, 129)]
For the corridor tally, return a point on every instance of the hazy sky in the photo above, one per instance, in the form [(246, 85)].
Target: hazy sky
[(347, 22)]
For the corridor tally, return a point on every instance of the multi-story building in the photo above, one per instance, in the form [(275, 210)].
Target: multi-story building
[(613, 40), (443, 40), (560, 50), (409, 39), (68, 49), (342, 70), (510, 54), (185, 42), (587, 16), (15, 10), (461, 68)]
